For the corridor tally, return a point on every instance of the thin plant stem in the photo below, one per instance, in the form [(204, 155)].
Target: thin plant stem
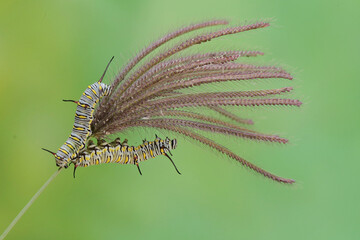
[(28, 205)]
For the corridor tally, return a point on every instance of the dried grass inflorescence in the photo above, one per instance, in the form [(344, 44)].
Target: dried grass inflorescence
[(152, 94)]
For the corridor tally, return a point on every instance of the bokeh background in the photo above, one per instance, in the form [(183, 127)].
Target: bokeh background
[(52, 50)]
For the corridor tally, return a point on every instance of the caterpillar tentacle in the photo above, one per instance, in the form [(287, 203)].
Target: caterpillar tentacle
[(138, 167), (65, 100)]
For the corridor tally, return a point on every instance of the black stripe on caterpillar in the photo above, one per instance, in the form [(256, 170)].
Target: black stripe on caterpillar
[(121, 152), (83, 118)]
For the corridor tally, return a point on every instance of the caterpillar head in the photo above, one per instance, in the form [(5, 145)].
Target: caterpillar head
[(60, 160), (169, 144)]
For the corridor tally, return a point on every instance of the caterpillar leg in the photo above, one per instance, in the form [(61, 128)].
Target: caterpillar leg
[(172, 162)]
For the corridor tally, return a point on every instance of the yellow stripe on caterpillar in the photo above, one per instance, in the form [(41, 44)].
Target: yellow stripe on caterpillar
[(123, 154)]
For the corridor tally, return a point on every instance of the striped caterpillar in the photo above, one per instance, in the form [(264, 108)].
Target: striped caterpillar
[(121, 152), (83, 118)]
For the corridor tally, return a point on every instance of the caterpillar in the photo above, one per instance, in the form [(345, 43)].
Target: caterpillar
[(121, 152), (83, 118)]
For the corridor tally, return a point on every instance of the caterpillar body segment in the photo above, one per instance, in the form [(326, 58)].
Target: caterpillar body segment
[(122, 153), (83, 118)]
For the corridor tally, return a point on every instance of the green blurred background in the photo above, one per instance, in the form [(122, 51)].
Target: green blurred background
[(52, 50)]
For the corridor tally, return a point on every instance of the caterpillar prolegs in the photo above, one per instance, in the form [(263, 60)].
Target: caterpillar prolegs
[(121, 152), (83, 118)]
